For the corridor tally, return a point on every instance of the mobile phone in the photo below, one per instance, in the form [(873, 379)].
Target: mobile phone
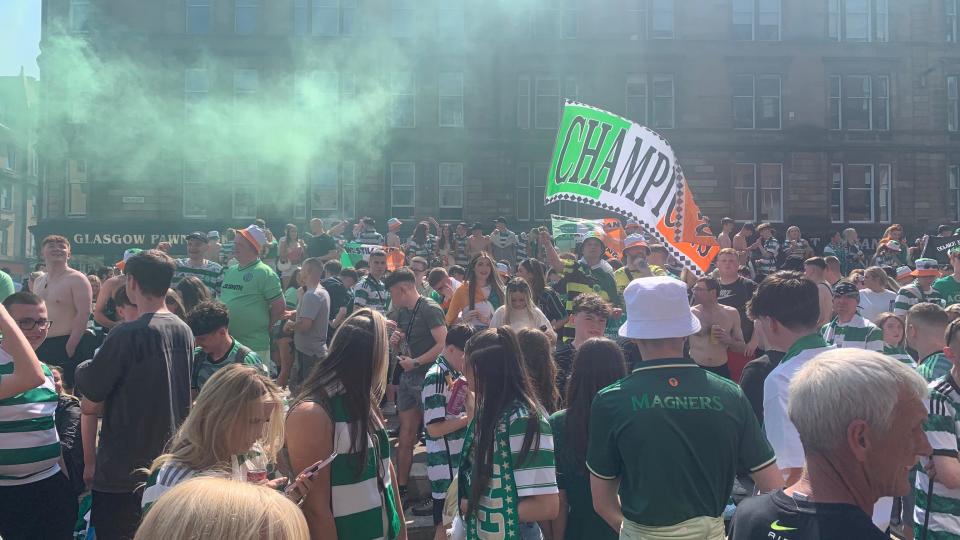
[(312, 470)]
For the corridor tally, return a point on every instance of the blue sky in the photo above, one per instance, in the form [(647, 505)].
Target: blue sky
[(20, 39)]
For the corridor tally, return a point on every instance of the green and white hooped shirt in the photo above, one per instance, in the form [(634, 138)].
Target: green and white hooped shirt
[(29, 445), (859, 333), (943, 408), (781, 432)]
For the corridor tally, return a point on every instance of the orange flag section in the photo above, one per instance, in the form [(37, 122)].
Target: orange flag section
[(395, 258), (695, 227), (699, 255), (614, 236)]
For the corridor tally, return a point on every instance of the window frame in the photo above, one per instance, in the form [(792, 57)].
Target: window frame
[(953, 104), (953, 184), (72, 15), (409, 7), (637, 79), (80, 181), (458, 97), (192, 98), (250, 5), (200, 181), (395, 96), (840, 101), (951, 18), (252, 184), (441, 187), (539, 171), (412, 186), (877, 17), (875, 190), (756, 14), (455, 31), (523, 192), (756, 192), (192, 5)]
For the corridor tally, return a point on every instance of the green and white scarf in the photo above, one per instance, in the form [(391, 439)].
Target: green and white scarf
[(497, 514)]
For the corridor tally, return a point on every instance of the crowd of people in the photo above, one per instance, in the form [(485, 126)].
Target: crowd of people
[(558, 394)]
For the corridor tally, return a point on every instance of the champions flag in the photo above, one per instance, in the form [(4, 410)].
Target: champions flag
[(606, 161), (354, 252)]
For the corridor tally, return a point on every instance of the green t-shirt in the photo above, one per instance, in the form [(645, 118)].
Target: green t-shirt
[(582, 520), (949, 289), (247, 292), (6, 286), (934, 366), (675, 435), (417, 324)]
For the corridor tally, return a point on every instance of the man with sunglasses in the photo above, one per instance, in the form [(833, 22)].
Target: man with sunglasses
[(36, 499)]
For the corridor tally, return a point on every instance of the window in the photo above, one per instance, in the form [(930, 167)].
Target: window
[(657, 112), (403, 184), (648, 19), (756, 102), (80, 16), (954, 202), (451, 99), (6, 196), (860, 193), (404, 90), (756, 20), (246, 83), (10, 157), (450, 20), (451, 185), (860, 102), (404, 18), (662, 112), (333, 188), (523, 103), (858, 20), (522, 198), (246, 16), (549, 100), (636, 107), (327, 18), (196, 85), (76, 187), (953, 103), (952, 7), (245, 178), (758, 201), (197, 17), (539, 192), (323, 90), (569, 24), (195, 189)]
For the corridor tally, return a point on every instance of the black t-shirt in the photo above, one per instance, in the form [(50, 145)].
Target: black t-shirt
[(777, 515), (736, 295), (754, 374), (564, 356), (142, 374), (339, 297), (320, 245)]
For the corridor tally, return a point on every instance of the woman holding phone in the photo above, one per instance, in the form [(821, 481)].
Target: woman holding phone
[(337, 410), (234, 429)]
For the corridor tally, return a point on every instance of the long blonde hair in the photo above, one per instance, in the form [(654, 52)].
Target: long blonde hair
[(878, 274), (232, 395), (211, 507), (518, 285)]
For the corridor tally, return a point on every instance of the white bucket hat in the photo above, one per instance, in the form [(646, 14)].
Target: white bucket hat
[(658, 308)]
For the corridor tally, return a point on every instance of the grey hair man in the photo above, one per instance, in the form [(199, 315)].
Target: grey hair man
[(857, 450)]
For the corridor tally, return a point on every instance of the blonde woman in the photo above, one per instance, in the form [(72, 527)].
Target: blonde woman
[(796, 246), (210, 508), (894, 344), (520, 312), (877, 294), (233, 430), (337, 415)]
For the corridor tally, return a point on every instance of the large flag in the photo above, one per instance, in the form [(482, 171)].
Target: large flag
[(354, 252), (570, 231), (608, 162), (938, 247)]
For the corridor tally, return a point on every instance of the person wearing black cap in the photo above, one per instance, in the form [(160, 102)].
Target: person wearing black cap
[(504, 242), (207, 271), (477, 242), (848, 329)]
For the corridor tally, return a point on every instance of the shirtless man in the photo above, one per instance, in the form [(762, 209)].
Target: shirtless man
[(741, 242), (720, 329), (724, 239), (105, 311), (477, 241), (68, 296), (814, 269)]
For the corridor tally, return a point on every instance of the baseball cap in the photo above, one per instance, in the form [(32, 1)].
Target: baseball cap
[(394, 223), (126, 256), (213, 234), (501, 219), (893, 245), (903, 271), (926, 268), (503, 269), (671, 318), (254, 235), (476, 225), (197, 235), (845, 288), (635, 240)]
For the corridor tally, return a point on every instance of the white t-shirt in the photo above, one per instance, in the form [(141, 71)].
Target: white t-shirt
[(520, 319), (484, 308), (873, 304)]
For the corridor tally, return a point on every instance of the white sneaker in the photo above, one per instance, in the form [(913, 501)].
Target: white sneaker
[(389, 409)]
